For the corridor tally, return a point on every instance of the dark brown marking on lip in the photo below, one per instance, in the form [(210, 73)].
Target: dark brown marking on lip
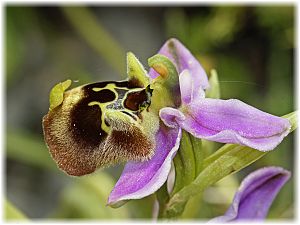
[(103, 84), (106, 95), (124, 84), (98, 96), (85, 123), (134, 83), (136, 100)]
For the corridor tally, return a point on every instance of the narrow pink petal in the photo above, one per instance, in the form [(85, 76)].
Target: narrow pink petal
[(255, 195), (232, 121), (186, 86), (140, 179), (183, 60), (189, 88)]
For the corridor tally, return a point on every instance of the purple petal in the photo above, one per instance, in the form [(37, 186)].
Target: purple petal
[(140, 179), (232, 121), (255, 195), (171, 116), (183, 59)]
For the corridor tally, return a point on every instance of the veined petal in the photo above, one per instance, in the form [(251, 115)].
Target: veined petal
[(255, 195), (140, 179), (233, 121), (183, 59)]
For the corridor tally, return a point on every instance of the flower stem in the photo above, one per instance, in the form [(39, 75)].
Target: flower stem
[(188, 164), (179, 173), (184, 162), (199, 155), (188, 158), (163, 197)]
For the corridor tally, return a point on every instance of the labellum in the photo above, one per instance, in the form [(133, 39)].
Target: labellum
[(100, 124)]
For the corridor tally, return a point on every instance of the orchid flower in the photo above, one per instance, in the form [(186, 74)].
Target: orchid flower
[(140, 121), (255, 195), (226, 121)]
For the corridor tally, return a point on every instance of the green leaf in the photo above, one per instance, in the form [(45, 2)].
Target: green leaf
[(214, 89), (229, 159), (193, 207), (136, 71), (12, 213), (57, 93)]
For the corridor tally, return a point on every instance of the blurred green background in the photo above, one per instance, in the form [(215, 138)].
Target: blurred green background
[(251, 47)]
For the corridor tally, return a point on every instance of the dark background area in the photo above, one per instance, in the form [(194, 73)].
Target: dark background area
[(251, 47)]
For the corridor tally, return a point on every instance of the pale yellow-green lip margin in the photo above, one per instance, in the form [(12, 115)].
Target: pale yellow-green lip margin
[(57, 93)]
